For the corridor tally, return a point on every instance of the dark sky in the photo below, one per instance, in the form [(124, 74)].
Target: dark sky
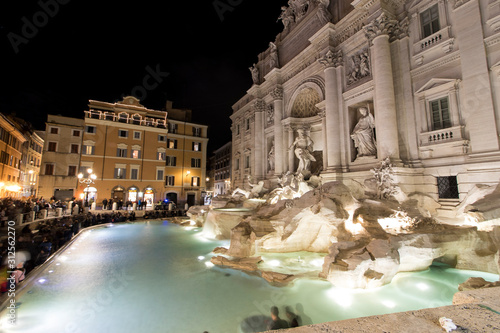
[(54, 63)]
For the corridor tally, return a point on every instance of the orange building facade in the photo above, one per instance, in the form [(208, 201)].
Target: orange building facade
[(142, 155)]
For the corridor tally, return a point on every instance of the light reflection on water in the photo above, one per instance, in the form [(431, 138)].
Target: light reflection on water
[(157, 277)]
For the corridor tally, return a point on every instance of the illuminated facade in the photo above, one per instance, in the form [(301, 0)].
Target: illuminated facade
[(30, 168), (413, 81), (11, 141), (140, 154), (60, 157)]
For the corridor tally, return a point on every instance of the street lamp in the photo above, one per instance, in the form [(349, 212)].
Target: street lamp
[(89, 180)]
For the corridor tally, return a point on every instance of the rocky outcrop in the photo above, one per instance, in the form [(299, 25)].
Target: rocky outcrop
[(219, 222), (277, 278), (477, 283), (244, 264), (242, 241)]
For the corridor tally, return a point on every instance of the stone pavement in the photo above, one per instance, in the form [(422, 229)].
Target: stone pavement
[(476, 311)]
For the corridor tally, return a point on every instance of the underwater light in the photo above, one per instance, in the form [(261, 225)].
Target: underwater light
[(42, 280), (209, 264), (317, 262), (422, 286), (274, 263), (201, 257), (389, 304)]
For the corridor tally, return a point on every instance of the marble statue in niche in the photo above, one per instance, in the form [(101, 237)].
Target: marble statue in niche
[(363, 135), (271, 157), (303, 148), (255, 73)]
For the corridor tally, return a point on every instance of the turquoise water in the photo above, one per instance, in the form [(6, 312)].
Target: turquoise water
[(156, 277)]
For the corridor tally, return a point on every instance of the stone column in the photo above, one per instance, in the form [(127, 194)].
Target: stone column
[(332, 154), (279, 157), (260, 109), (477, 109), (322, 114), (386, 125)]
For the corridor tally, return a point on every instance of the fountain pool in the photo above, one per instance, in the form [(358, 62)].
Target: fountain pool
[(157, 277)]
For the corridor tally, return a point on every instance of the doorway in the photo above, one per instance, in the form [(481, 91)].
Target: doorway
[(191, 199)]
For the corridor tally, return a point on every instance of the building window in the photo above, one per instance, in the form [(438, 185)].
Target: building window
[(237, 164), (72, 170), (196, 162), (247, 162), (162, 138), (160, 156), (159, 174), (172, 144), (120, 173), (197, 131), (171, 161), (137, 135), (172, 128), (195, 181), (136, 153), (429, 21), (134, 173), (123, 133), (49, 169), (90, 129), (76, 132), (196, 146), (88, 150), (170, 180), (247, 126), (54, 130), (52, 146), (440, 113), (238, 129), (447, 187), (123, 117), (75, 149), (121, 152)]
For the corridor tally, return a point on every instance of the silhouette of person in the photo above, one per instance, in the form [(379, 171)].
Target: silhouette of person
[(276, 322), (292, 317)]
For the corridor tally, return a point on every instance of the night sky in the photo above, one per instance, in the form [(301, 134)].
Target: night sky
[(55, 59)]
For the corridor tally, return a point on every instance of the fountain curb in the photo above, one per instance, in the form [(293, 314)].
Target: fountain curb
[(475, 310)]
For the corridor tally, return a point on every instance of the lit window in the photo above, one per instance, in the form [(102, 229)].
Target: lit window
[(160, 156), (120, 173), (136, 153)]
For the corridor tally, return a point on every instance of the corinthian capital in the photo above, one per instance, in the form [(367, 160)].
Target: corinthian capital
[(382, 25), (332, 59), (260, 105), (277, 93)]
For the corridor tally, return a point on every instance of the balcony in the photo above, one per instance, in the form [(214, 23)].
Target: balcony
[(441, 136)]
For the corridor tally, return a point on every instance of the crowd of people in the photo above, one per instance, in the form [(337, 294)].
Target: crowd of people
[(34, 246)]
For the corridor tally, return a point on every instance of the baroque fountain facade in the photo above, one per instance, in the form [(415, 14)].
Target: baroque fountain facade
[(370, 135)]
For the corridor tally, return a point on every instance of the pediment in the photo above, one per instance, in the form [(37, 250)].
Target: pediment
[(436, 82)]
